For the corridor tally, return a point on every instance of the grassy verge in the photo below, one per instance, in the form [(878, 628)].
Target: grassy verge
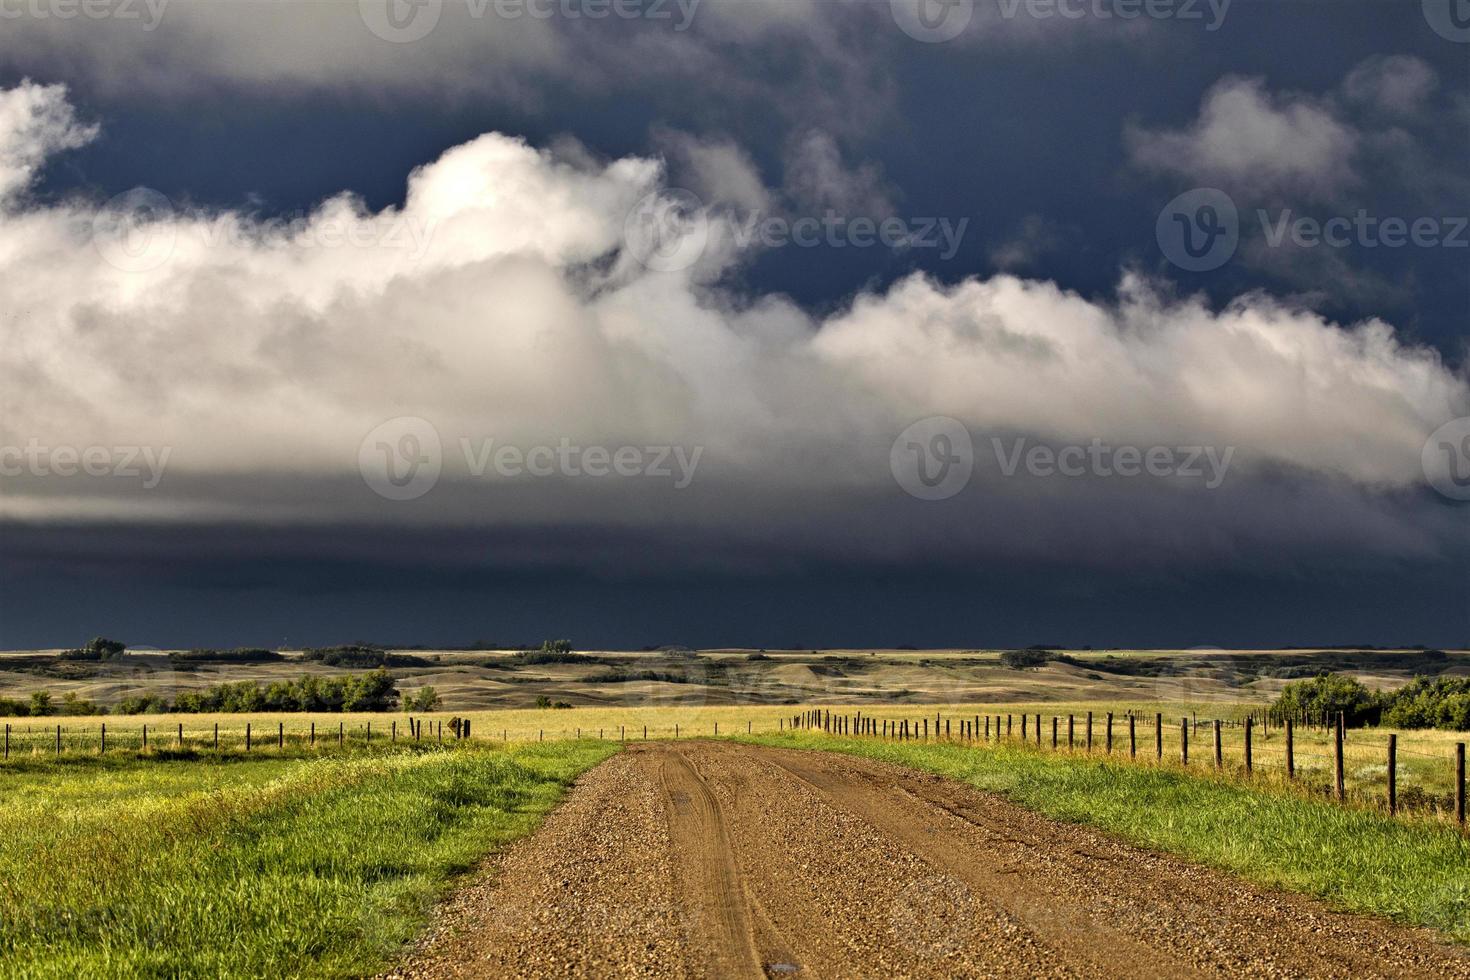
[(1355, 859), (281, 867)]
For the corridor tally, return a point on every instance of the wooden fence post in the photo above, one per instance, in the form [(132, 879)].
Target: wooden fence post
[(7, 741), (1184, 740), (58, 739), (1290, 751), (104, 737), (313, 734), (1089, 731), (1159, 735), (1038, 729), (1071, 734), (145, 737), (1337, 758), (1132, 736), (247, 736), (1219, 748), (1250, 725), (341, 734), (1054, 732), (181, 735), (280, 734), (1460, 782), (216, 736), (1110, 733), (1393, 783)]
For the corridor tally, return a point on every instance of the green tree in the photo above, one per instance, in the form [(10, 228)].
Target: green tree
[(1441, 702), (40, 704), (105, 649), (1024, 659), (424, 699), (370, 692)]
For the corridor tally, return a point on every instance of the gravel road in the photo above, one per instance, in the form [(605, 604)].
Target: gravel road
[(720, 860)]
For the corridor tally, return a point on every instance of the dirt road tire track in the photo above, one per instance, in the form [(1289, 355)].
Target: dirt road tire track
[(711, 859), (723, 924)]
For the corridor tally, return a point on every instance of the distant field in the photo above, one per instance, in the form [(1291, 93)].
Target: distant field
[(470, 681)]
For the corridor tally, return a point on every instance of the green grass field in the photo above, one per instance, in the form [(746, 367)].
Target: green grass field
[(257, 868), (1355, 859)]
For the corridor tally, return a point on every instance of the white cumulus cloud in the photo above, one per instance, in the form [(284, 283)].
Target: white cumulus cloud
[(502, 300)]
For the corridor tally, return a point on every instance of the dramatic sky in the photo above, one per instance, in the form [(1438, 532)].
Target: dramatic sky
[(758, 322)]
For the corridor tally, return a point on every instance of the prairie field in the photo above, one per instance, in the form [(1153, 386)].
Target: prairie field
[(321, 843)]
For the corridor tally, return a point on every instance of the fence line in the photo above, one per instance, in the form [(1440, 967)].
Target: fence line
[(1254, 728), (1295, 737)]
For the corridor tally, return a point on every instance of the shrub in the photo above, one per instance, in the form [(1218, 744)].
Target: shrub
[(11, 708), (97, 648), (1328, 694), (241, 655), (618, 676), (531, 658), (363, 692), (1442, 702), (142, 704), (542, 701), (360, 656), (1024, 659), (73, 705)]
